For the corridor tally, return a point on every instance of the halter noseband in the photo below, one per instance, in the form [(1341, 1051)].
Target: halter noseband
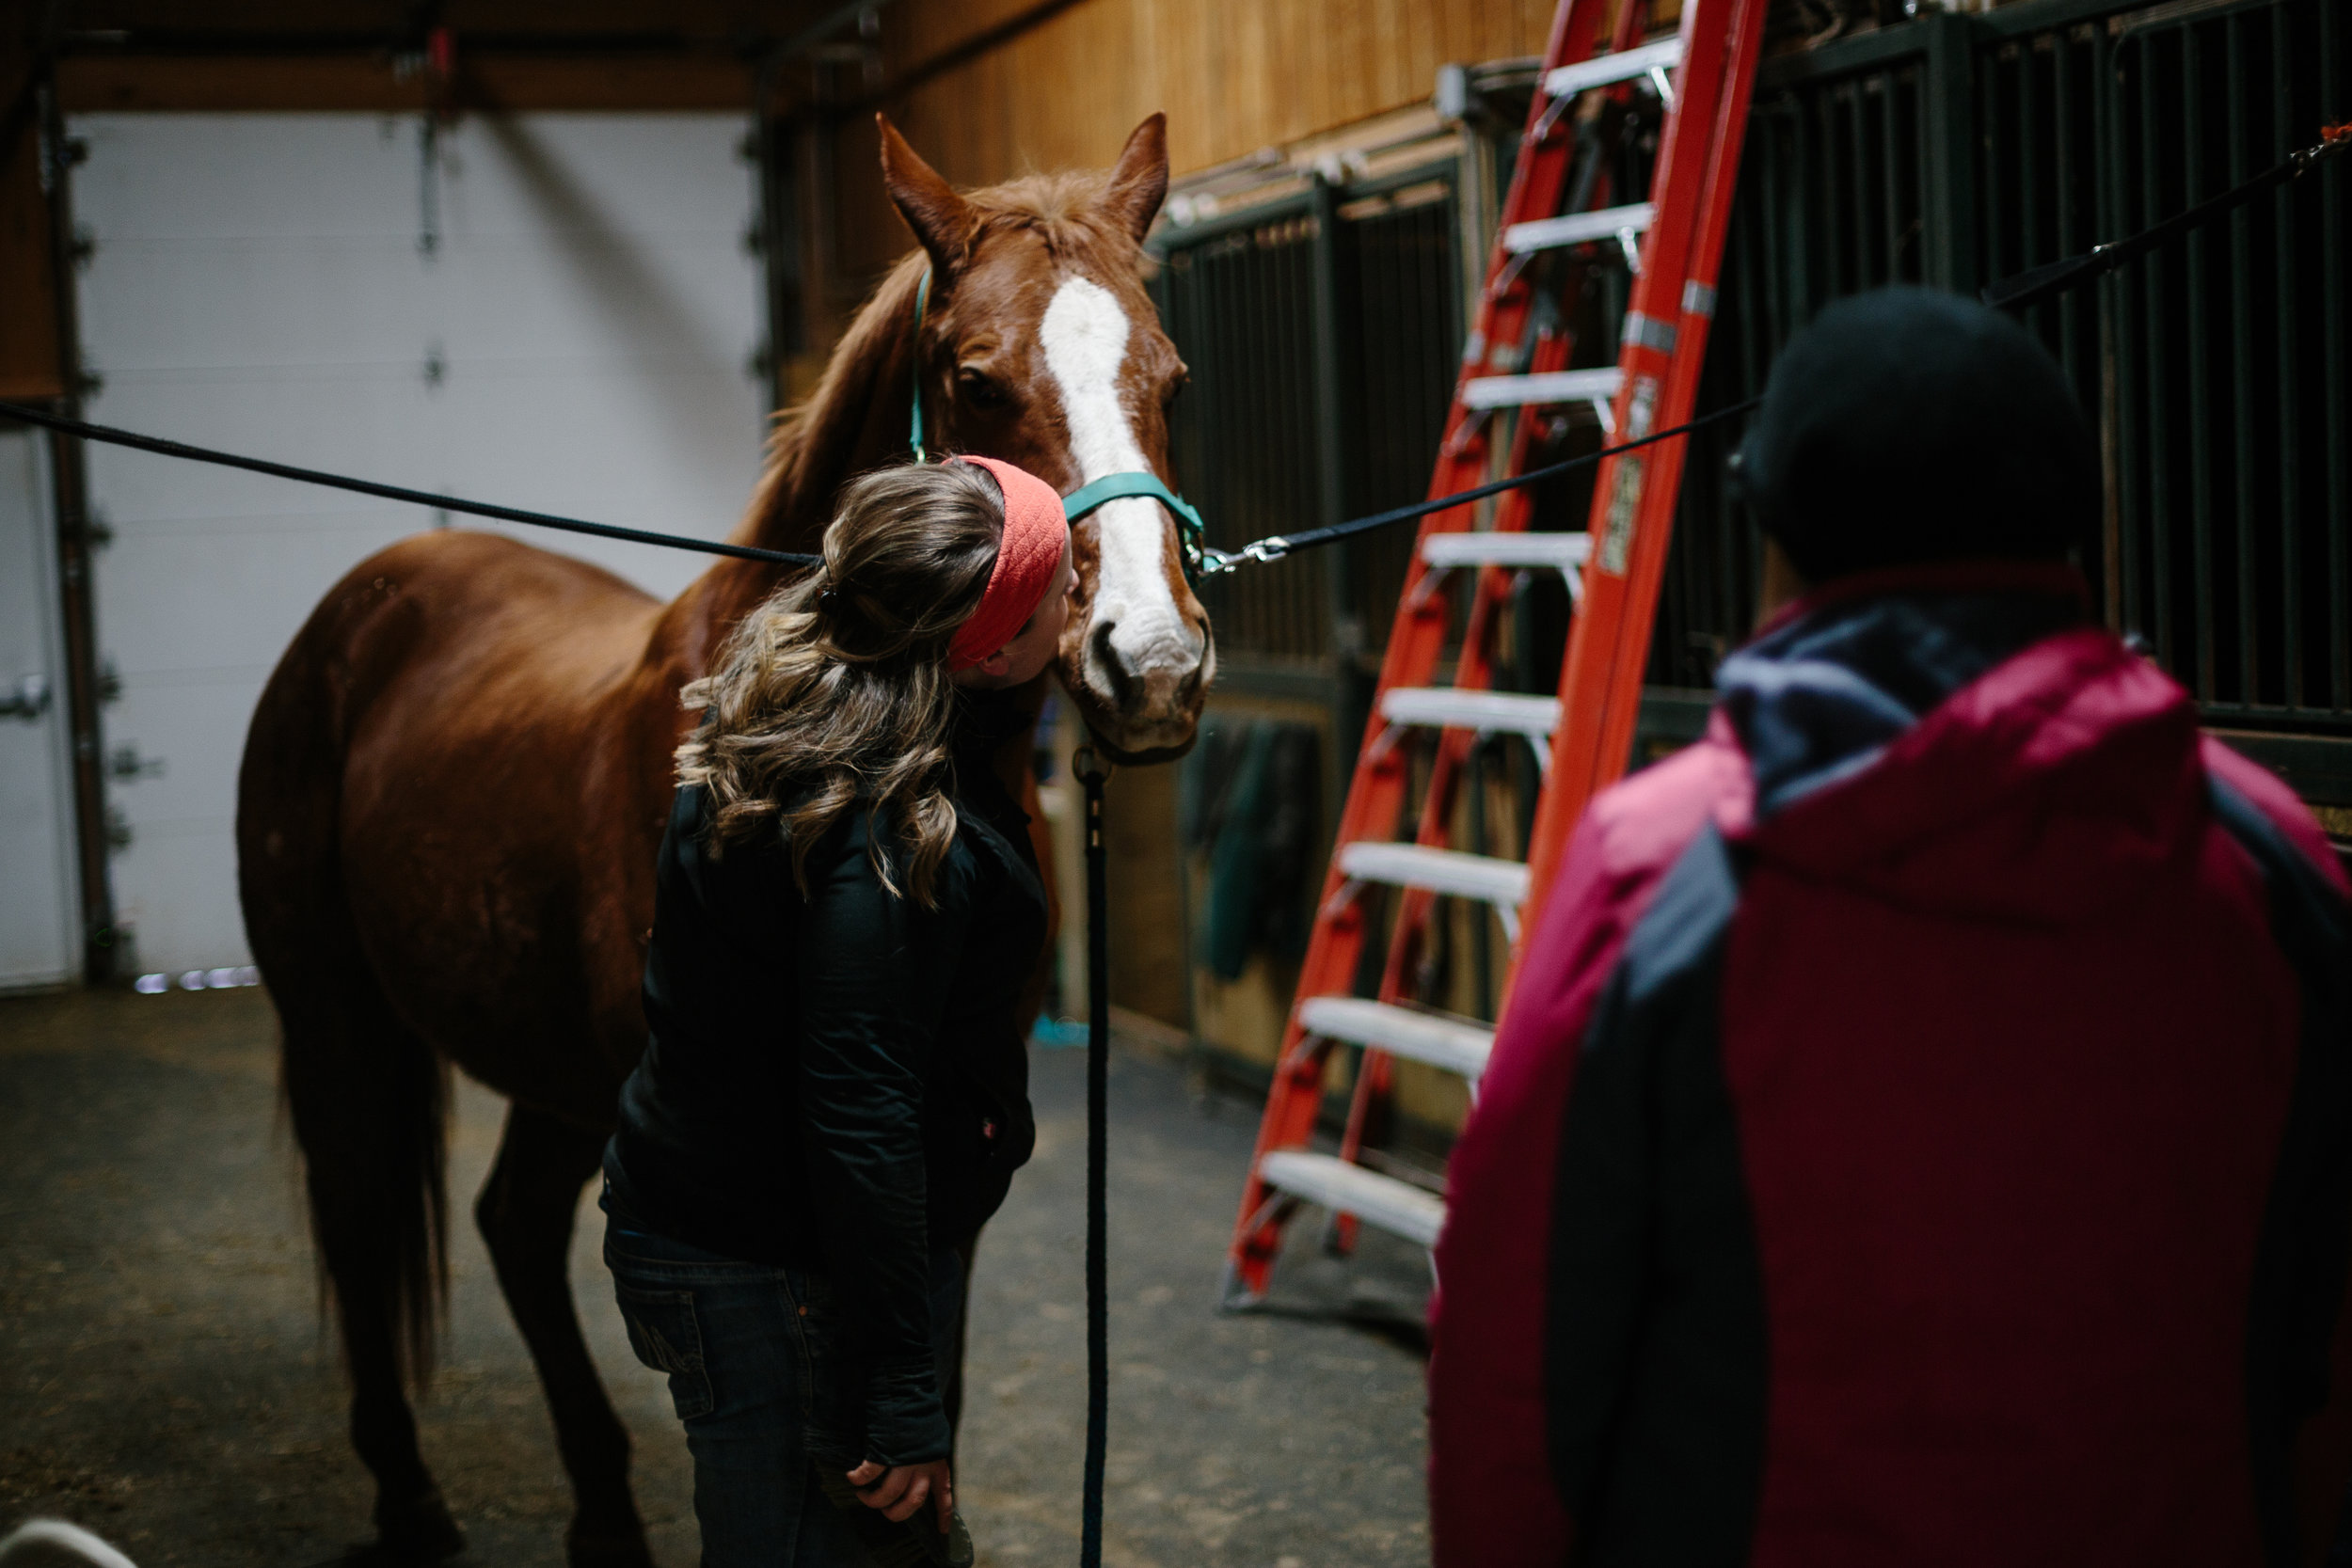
[(1199, 560)]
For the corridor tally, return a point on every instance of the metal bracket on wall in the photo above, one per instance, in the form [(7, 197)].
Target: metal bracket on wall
[(125, 766), (28, 701)]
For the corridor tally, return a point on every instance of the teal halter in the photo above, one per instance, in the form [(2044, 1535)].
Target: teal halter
[(915, 431), (1199, 561)]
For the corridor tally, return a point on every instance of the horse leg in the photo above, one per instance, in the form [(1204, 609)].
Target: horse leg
[(526, 1214)]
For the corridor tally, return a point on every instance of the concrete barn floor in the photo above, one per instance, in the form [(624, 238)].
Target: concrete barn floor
[(164, 1378)]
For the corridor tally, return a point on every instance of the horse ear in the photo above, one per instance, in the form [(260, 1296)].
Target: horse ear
[(1139, 184), (942, 220)]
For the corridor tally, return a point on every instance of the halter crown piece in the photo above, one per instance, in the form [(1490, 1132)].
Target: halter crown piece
[(1199, 561)]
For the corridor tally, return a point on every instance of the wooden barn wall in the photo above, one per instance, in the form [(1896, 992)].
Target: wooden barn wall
[(1233, 76), (28, 323)]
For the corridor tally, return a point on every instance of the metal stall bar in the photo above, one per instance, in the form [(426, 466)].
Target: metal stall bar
[(2288, 351), (2335, 286), (2200, 366), (2241, 363)]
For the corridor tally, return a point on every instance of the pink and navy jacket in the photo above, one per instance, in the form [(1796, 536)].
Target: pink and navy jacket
[(1922, 1132)]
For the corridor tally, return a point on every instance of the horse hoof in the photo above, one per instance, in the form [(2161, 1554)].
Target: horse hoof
[(607, 1548), (418, 1530)]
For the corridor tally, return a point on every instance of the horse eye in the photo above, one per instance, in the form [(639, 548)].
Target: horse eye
[(982, 392)]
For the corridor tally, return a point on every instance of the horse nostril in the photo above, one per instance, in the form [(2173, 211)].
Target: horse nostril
[(1107, 656)]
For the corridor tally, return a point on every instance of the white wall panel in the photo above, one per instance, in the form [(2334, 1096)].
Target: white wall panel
[(39, 918), (579, 339)]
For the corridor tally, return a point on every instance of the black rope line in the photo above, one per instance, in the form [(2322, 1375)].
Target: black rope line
[(1272, 548), (1275, 546), (2036, 284), (393, 492), (1092, 775)]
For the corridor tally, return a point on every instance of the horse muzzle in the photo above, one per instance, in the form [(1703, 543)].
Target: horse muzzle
[(1141, 689)]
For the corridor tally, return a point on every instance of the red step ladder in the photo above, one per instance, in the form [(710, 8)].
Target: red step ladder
[(1702, 76)]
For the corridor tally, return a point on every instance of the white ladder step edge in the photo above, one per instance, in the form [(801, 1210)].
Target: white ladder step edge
[(1562, 552), (1450, 707), (1393, 1206), (1602, 70), (1499, 882), (1457, 1045), (1521, 392), (1578, 227)]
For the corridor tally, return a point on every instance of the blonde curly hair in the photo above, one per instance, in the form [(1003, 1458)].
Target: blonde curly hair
[(837, 687)]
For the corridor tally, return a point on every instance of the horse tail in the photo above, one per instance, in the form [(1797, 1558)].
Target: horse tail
[(368, 1096)]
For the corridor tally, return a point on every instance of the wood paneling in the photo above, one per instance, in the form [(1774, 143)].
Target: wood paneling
[(1232, 75), (28, 321), (1147, 901), (1074, 76), (149, 21)]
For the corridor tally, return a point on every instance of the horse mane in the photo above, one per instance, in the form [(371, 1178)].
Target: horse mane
[(854, 408)]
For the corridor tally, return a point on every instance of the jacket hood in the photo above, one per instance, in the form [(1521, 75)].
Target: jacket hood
[(1960, 741)]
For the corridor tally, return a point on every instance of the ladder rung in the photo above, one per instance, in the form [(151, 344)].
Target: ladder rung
[(1455, 1044), (1560, 552), (1377, 1199), (1578, 227), (1602, 70), (1515, 392), (1445, 871), (1451, 707)]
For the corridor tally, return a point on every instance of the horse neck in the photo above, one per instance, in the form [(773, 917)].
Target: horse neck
[(856, 419)]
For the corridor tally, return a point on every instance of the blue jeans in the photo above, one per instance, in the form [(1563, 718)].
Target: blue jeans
[(753, 1354)]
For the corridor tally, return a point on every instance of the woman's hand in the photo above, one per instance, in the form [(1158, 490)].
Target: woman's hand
[(900, 1489)]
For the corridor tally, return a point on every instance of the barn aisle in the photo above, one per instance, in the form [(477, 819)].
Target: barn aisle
[(164, 1378)]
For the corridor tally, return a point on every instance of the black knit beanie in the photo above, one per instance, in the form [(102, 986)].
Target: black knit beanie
[(1905, 426)]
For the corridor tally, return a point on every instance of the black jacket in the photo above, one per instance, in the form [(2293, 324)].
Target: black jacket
[(840, 1081)]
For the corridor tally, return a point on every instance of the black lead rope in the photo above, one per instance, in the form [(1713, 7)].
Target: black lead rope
[(1092, 773), (1272, 548), (1275, 546), (392, 492), (2037, 284)]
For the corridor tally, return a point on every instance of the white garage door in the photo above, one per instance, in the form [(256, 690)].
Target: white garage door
[(39, 942), (553, 312)]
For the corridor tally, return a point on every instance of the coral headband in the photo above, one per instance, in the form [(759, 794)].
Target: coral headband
[(1027, 560)]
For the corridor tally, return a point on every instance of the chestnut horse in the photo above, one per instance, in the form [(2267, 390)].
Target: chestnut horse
[(457, 778)]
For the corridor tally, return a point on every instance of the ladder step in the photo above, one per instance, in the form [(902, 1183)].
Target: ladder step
[(1394, 1205), (1515, 392), (1603, 70), (1560, 552), (1450, 707), (1446, 871), (1578, 227), (1441, 1039)]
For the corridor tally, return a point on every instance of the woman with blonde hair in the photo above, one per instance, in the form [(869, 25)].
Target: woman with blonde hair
[(834, 1094)]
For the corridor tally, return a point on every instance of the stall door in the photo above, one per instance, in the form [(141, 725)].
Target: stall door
[(555, 311)]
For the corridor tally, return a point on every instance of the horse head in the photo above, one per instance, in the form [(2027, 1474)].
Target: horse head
[(1037, 345)]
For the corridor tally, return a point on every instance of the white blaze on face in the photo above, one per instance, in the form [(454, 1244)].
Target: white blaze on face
[(1085, 339)]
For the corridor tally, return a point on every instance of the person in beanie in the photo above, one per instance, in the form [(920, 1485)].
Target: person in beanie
[(1922, 1129)]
